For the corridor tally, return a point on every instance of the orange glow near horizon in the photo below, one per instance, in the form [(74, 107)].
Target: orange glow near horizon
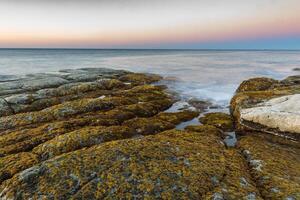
[(281, 20)]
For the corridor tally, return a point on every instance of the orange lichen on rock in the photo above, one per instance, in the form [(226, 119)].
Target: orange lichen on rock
[(274, 164), (104, 134), (15, 163), (172, 164)]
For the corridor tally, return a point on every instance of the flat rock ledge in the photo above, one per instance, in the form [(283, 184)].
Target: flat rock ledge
[(282, 113), (268, 105), (107, 134)]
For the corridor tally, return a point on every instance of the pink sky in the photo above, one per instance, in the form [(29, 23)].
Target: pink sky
[(114, 23)]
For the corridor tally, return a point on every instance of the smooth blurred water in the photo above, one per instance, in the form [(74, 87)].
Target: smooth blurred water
[(203, 74)]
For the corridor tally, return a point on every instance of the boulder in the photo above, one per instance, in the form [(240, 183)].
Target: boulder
[(257, 84), (263, 108), (281, 114)]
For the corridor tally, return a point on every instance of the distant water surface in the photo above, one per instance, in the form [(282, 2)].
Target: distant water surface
[(202, 74)]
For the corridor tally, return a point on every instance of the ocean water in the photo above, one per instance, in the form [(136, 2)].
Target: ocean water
[(211, 75)]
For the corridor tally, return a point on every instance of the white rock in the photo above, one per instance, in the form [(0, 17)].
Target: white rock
[(282, 113)]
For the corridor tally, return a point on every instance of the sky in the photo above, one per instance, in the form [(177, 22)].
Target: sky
[(183, 24)]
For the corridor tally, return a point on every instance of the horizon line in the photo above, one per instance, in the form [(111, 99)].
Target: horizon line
[(179, 49)]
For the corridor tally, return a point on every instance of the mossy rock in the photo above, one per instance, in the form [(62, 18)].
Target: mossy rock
[(222, 121), (108, 139), (78, 139), (291, 80), (160, 122), (140, 79), (15, 163), (172, 164), (176, 118), (148, 126), (49, 97), (237, 182), (85, 105), (260, 93), (274, 164), (205, 129), (27, 139), (256, 84)]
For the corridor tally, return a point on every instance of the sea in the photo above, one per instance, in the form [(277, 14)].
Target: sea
[(211, 75)]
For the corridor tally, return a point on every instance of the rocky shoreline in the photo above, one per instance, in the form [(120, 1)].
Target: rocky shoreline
[(96, 133)]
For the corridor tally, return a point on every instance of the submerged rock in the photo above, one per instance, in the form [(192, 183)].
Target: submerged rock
[(296, 69), (200, 105), (5, 78)]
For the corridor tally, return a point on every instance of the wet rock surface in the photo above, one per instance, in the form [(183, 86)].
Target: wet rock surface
[(111, 134), (296, 69)]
